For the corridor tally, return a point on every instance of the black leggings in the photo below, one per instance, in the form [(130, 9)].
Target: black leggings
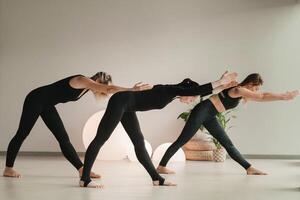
[(119, 108), (204, 113), (33, 108)]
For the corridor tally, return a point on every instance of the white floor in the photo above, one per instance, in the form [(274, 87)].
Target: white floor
[(52, 178)]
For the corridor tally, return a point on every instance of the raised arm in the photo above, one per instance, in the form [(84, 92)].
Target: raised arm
[(263, 96), (84, 82)]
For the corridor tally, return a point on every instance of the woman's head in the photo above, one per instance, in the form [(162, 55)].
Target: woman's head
[(102, 77), (252, 82)]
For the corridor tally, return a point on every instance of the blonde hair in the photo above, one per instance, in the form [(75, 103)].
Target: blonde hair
[(102, 77)]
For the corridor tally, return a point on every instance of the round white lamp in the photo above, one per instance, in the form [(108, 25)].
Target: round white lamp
[(179, 156), (131, 152), (115, 147)]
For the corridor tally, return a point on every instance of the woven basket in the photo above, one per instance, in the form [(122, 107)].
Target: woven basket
[(199, 155), (219, 155), (198, 145)]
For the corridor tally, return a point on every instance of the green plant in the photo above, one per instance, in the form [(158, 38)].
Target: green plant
[(223, 118)]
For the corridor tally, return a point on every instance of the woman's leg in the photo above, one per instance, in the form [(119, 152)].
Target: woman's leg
[(132, 127), (30, 113), (219, 133), (53, 121), (198, 115), (109, 121)]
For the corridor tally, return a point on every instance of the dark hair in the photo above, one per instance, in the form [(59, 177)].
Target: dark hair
[(102, 77), (253, 79)]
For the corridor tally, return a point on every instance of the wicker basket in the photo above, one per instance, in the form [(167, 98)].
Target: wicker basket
[(198, 145), (197, 149), (219, 155), (199, 155)]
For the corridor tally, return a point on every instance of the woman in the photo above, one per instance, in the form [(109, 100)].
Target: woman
[(42, 101), (122, 107), (205, 113)]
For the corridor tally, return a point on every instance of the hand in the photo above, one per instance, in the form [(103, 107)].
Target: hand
[(290, 95), (228, 77), (187, 99), (229, 85), (226, 72), (140, 86)]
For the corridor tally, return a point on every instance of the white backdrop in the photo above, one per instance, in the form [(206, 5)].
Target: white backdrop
[(163, 41)]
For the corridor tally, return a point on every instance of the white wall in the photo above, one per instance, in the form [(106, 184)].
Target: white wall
[(162, 41)]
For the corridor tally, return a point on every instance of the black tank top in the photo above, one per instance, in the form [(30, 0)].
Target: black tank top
[(60, 92), (228, 101)]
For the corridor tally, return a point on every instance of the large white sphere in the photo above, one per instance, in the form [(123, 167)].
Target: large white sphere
[(115, 147)]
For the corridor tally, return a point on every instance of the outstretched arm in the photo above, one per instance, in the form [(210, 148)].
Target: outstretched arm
[(263, 96), (84, 82)]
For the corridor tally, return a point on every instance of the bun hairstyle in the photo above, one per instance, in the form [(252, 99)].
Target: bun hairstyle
[(102, 77), (186, 83), (253, 79)]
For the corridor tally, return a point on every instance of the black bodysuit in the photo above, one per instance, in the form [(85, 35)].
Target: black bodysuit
[(122, 106), (41, 102)]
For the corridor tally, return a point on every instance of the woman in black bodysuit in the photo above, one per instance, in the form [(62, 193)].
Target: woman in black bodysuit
[(42, 101), (122, 106), (205, 113)]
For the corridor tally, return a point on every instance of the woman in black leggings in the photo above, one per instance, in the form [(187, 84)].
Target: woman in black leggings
[(122, 107), (205, 113), (42, 101)]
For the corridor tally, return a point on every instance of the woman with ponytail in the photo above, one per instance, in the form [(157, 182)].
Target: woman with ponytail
[(205, 113), (42, 101)]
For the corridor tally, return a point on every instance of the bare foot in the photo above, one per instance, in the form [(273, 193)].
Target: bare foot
[(166, 183), (164, 170), (10, 172), (92, 174), (253, 171), (91, 185)]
